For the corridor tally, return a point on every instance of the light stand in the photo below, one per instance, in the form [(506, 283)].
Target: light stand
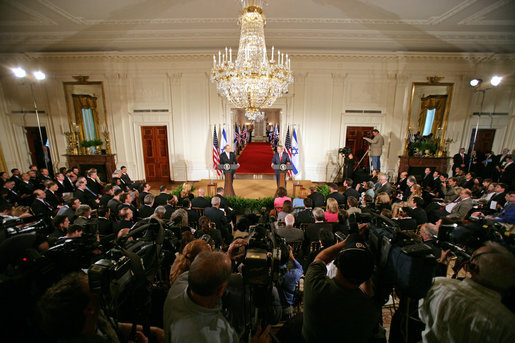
[(476, 83), (37, 76)]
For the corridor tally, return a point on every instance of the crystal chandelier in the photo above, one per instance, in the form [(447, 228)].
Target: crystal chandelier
[(252, 81)]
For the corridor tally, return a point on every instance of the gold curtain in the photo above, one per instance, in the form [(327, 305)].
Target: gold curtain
[(80, 102), (3, 165), (431, 102)]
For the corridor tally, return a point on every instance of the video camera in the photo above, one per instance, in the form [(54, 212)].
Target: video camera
[(345, 151)]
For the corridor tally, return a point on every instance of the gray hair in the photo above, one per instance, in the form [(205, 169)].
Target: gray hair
[(215, 201), (430, 229), (160, 210), (318, 213), (82, 210), (496, 267), (80, 183), (148, 199)]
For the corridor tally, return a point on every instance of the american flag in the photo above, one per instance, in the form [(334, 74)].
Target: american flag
[(216, 153), (287, 147), (244, 133)]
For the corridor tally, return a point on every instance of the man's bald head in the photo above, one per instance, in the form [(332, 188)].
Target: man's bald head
[(209, 272)]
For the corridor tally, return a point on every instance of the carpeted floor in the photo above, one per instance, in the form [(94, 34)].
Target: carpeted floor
[(256, 159)]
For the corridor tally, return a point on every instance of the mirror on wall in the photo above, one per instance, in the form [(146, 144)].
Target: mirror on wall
[(86, 111), (427, 120)]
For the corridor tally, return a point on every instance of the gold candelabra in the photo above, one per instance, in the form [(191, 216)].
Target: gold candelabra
[(107, 139), (71, 144)]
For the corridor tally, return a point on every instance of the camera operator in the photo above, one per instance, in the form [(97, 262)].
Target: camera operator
[(340, 309), (69, 312), (376, 148), (471, 310), (193, 310)]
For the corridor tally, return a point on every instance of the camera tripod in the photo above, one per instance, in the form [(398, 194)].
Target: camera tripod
[(339, 168), (363, 157)]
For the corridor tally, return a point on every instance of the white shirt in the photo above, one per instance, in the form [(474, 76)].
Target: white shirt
[(465, 311)]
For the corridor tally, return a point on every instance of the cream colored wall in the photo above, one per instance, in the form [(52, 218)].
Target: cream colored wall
[(325, 86)]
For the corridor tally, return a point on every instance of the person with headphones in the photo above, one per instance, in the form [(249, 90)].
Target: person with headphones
[(471, 310)]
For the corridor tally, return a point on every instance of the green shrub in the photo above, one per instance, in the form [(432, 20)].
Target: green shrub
[(324, 189)]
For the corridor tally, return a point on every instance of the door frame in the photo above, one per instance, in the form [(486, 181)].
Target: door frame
[(138, 143), (168, 157)]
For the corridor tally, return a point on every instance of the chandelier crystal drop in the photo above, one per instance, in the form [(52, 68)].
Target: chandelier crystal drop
[(253, 80)]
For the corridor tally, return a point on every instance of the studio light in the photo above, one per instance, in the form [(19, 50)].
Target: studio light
[(39, 75), (495, 80), (19, 72), (475, 82)]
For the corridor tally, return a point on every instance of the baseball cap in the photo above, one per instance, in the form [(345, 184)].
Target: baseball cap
[(355, 261)]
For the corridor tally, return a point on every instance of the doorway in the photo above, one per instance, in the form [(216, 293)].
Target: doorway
[(354, 140), (484, 141), (40, 155), (155, 153)]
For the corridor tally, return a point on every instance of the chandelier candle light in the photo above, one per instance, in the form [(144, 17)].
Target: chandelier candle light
[(253, 81)]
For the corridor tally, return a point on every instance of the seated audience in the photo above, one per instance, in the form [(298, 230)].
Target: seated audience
[(288, 231), (331, 212), (317, 197), (298, 202), (200, 201), (305, 215), (286, 209), (339, 197), (280, 197)]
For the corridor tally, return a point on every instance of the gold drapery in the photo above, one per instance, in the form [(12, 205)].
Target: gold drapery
[(436, 102), (80, 102)]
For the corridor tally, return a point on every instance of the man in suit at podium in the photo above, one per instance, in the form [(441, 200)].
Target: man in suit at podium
[(280, 157), (228, 157)]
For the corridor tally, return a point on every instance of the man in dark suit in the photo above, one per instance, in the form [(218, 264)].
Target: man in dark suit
[(427, 180), (144, 190), (146, 209), (306, 215), (104, 224), (224, 205), (92, 182), (108, 195), (336, 195), (280, 157), (163, 197), (317, 197), (40, 206), (460, 160), (26, 190), (16, 176), (218, 217), (313, 230), (59, 180), (85, 196), (68, 182), (416, 211), (349, 190), (200, 201), (51, 195), (228, 157), (508, 172), (193, 215), (125, 178), (9, 194)]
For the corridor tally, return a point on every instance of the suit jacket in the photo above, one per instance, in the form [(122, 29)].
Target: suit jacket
[(200, 202), (313, 231), (40, 208), (162, 199), (217, 216), (86, 198), (351, 192), (460, 211), (142, 196), (68, 186), (105, 226), (386, 188), (458, 160), (94, 186), (418, 214), (104, 200), (145, 211), (304, 216), (126, 179), (318, 199), (231, 159), (376, 145), (52, 199), (224, 203), (25, 190), (284, 159), (60, 189), (290, 234), (113, 206), (508, 175), (338, 196)]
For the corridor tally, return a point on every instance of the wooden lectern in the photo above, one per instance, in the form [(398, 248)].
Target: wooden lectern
[(283, 169), (228, 170)]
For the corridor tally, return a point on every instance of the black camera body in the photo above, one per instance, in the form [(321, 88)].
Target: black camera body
[(345, 151), (110, 277)]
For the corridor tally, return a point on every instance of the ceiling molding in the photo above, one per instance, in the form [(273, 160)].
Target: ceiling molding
[(479, 16), (40, 18)]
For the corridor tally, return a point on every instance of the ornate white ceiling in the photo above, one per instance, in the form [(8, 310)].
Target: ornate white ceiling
[(295, 25)]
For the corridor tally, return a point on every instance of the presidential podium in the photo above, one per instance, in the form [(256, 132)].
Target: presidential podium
[(283, 170), (228, 170)]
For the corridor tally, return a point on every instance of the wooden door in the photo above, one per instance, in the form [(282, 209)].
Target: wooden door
[(155, 153), (354, 140), (484, 140), (38, 153)]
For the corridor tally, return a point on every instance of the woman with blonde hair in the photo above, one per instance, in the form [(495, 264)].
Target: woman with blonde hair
[(183, 261), (383, 201), (416, 191), (331, 212), (299, 200), (186, 192)]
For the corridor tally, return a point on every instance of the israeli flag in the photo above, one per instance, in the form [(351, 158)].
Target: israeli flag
[(295, 157), (223, 141)]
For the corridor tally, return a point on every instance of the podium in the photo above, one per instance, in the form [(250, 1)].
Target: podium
[(228, 170), (282, 169)]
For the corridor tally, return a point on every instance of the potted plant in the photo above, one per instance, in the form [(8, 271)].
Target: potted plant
[(86, 144), (97, 143)]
